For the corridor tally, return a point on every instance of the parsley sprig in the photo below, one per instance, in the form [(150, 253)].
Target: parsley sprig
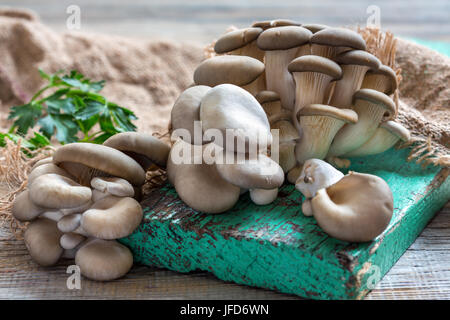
[(70, 112)]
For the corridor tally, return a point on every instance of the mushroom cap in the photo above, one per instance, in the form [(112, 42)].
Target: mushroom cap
[(230, 108), (104, 260), (314, 27), (47, 168), (311, 63), (113, 185), (69, 222), (259, 172), (41, 162), (360, 58), (347, 115), (237, 70), (396, 129), (357, 208), (42, 241), (142, 147), (316, 174), (283, 38), (267, 96), (23, 209), (186, 109), (54, 191), (388, 73), (112, 217), (104, 158), (262, 197), (200, 185), (376, 97), (339, 37), (236, 39), (70, 241)]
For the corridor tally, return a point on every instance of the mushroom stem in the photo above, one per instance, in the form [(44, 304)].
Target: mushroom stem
[(352, 78), (257, 85), (263, 197), (278, 78)]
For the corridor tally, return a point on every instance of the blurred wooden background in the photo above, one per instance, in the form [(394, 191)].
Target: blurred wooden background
[(423, 272)]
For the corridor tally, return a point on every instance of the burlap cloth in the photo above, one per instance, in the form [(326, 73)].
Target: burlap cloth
[(147, 76)]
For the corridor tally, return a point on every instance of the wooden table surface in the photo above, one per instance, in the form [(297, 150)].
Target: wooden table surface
[(423, 272)]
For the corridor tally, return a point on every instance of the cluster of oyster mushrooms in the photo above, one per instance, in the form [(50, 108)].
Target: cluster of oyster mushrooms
[(328, 97), (83, 198)]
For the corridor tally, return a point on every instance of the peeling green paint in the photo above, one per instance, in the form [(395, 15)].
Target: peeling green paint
[(276, 247)]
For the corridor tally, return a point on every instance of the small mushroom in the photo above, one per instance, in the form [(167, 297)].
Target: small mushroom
[(287, 137), (316, 174), (371, 106), (329, 42), (69, 223), (23, 209), (241, 42), (143, 148), (270, 101), (312, 75), (263, 197), (114, 186), (281, 46), (112, 218), (319, 124), (70, 241), (42, 241), (233, 111), (103, 260), (97, 159), (198, 183), (357, 208), (54, 191), (186, 110), (54, 215), (354, 66), (382, 79), (385, 137), (242, 71)]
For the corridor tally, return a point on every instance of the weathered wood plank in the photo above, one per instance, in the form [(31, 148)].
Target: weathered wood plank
[(276, 247)]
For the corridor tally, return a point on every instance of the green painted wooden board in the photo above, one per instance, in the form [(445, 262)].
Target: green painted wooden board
[(278, 248)]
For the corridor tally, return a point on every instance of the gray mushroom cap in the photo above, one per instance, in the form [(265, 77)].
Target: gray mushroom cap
[(283, 38), (104, 260), (359, 57), (339, 37), (237, 70), (236, 39), (100, 158), (56, 192), (311, 63), (113, 185), (42, 241), (47, 168), (23, 209)]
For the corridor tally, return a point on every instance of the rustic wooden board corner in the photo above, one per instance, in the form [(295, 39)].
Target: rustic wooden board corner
[(278, 248)]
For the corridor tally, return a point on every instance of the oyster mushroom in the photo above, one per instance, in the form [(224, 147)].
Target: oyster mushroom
[(371, 106), (281, 46), (354, 66), (69, 223), (86, 160), (23, 209), (41, 162), (198, 183), (241, 42), (186, 111), (314, 27), (54, 191), (112, 218), (142, 147), (42, 241), (47, 168), (312, 75), (319, 124), (382, 79), (357, 208), (287, 137), (329, 42), (238, 116), (385, 137), (242, 71), (113, 186), (103, 260), (270, 101)]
